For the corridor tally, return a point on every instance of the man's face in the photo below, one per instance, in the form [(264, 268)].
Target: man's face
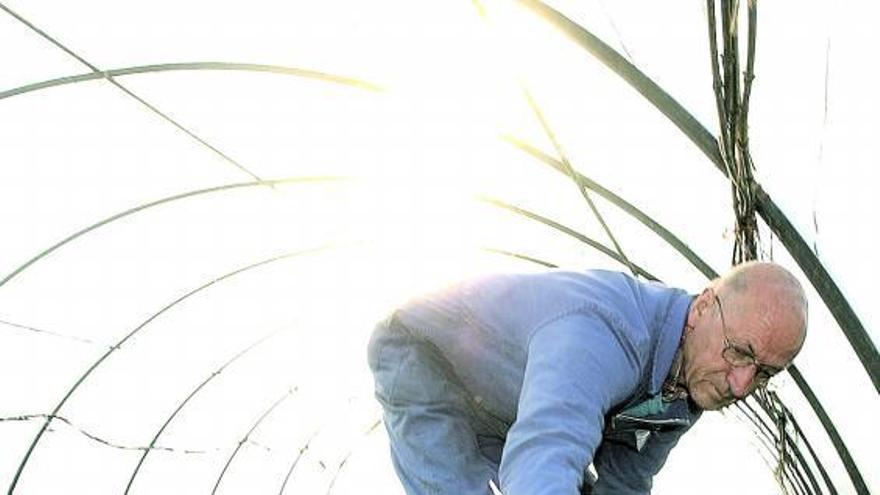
[(732, 348)]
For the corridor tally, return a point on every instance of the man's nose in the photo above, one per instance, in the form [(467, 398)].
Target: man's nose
[(741, 380)]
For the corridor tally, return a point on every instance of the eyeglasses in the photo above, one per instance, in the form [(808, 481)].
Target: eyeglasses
[(739, 356)]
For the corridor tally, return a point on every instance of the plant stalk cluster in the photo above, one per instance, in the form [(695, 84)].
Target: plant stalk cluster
[(732, 103)]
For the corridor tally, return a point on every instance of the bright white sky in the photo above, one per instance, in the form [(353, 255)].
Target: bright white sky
[(75, 154)]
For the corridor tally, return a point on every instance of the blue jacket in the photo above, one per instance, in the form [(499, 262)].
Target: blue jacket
[(567, 360)]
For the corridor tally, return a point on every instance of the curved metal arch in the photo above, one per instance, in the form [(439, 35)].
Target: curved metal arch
[(194, 66), (793, 445), (302, 450), (570, 232), (290, 180), (621, 203), (771, 439), (247, 435), (185, 401), (848, 462), (137, 329), (765, 441), (347, 456), (167, 199), (822, 471)]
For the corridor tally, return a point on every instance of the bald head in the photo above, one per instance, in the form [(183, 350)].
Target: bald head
[(745, 327), (772, 297)]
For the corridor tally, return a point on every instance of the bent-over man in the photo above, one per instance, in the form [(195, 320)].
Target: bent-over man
[(527, 379)]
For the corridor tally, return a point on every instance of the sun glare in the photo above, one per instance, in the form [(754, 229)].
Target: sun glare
[(384, 198)]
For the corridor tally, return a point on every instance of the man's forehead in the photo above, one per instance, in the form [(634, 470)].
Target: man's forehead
[(772, 334), (778, 346)]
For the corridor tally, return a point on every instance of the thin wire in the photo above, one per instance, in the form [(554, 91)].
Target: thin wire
[(345, 459), (821, 157), (575, 177), (189, 397), (111, 80), (302, 450), (624, 205), (53, 334), (98, 439), (247, 436), (564, 229), (617, 33)]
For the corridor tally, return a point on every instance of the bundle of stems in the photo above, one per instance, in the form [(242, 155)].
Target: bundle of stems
[(732, 96), (732, 102)]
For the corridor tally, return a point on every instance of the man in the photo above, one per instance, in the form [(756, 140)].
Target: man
[(527, 379)]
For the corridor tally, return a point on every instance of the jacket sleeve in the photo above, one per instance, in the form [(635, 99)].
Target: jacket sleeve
[(577, 368), (624, 471)]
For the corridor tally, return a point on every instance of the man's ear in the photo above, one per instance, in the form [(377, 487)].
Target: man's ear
[(703, 301)]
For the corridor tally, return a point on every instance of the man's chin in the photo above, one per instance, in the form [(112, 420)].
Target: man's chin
[(707, 398)]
